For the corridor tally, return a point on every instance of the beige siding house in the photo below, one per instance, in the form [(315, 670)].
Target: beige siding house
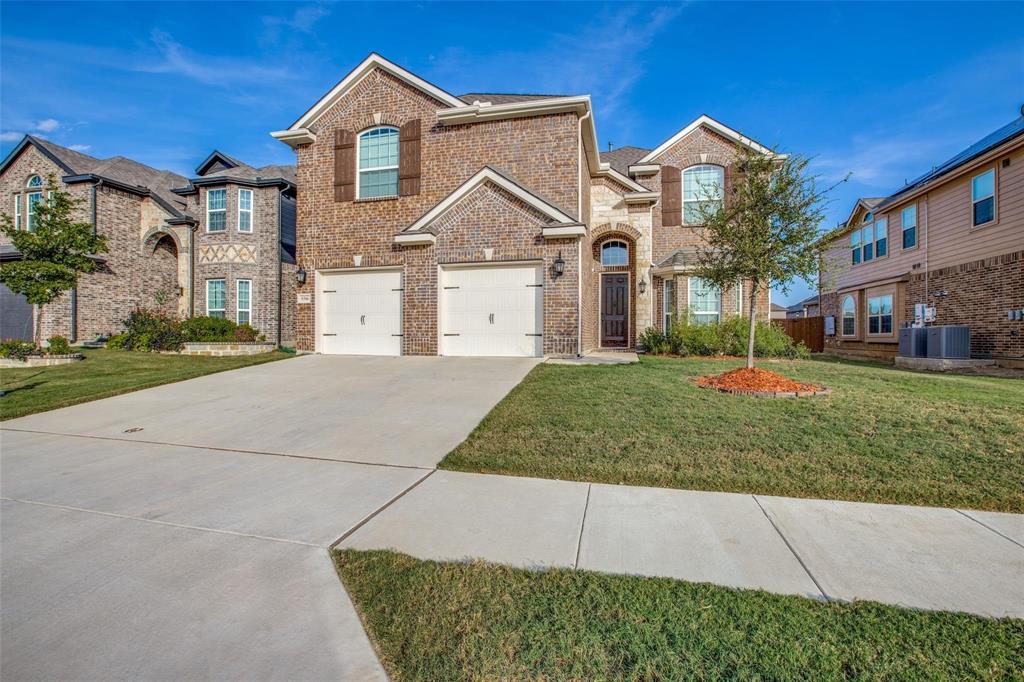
[(952, 240)]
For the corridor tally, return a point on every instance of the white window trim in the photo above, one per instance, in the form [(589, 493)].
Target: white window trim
[(17, 211), (216, 210), (668, 294), (28, 183), (252, 206), (238, 308), (842, 316), (360, 171), (873, 226), (739, 299), (609, 243), (682, 188), (975, 200), (208, 308), (689, 302), (868, 316), (903, 227), (29, 213)]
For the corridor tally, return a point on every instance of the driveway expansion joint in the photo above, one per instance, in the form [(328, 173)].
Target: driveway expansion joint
[(792, 549), (369, 517), (583, 525)]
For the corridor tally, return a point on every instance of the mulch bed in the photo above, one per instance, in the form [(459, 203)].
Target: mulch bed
[(760, 383)]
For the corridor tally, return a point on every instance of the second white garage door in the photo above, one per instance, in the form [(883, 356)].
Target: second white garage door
[(360, 313), (492, 311)]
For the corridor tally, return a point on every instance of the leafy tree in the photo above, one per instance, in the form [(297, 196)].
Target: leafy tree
[(766, 233), (54, 252)]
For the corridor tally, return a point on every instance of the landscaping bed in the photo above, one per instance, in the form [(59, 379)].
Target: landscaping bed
[(41, 360), (476, 621), (105, 373), (883, 435), (760, 383)]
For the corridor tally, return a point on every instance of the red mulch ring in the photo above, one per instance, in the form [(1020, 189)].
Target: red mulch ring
[(760, 382)]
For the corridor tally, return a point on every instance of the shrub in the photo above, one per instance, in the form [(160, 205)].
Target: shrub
[(150, 330), (728, 337), (118, 341), (245, 334), (207, 329), (58, 345), (17, 349)]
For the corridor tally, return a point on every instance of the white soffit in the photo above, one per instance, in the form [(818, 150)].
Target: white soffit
[(487, 174), (720, 128)]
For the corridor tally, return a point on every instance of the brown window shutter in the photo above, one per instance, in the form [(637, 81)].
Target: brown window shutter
[(727, 190), (671, 196), (344, 165), (409, 158)]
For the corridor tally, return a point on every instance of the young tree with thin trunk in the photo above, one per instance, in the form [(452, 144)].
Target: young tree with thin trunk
[(765, 233), (54, 252)]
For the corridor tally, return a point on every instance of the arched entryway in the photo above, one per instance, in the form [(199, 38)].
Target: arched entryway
[(614, 269), (162, 281)]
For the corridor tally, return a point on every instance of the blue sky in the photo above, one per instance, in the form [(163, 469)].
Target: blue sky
[(882, 91)]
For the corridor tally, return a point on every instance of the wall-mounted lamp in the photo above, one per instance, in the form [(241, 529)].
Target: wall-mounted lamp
[(300, 275), (558, 267), (642, 284), (181, 291)]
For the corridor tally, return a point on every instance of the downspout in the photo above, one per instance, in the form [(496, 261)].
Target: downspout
[(579, 242)]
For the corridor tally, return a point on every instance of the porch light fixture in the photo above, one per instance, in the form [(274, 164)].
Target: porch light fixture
[(559, 266), (300, 275), (643, 285)]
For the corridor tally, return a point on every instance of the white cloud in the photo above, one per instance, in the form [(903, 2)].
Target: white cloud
[(11, 136), (47, 125), (177, 60)]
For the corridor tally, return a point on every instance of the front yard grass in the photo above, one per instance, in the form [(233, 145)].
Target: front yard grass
[(476, 621), (884, 435), (104, 373)]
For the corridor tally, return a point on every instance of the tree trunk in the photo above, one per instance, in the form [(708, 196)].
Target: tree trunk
[(39, 325), (753, 325)]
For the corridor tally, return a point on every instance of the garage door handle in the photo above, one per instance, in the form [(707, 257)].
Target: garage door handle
[(535, 285), (492, 318), (535, 335), (330, 291), (451, 334), (330, 334), (362, 319)]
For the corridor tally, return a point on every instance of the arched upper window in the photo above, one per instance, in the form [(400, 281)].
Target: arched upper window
[(34, 181), (703, 186), (378, 163), (849, 316), (614, 253)]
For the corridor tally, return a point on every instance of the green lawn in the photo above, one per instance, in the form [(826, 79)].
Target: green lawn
[(104, 373), (474, 621), (884, 435)]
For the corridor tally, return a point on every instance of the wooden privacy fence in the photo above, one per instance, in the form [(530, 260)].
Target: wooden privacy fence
[(809, 330)]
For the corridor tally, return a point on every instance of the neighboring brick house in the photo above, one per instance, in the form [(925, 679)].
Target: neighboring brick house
[(488, 224), (952, 239), (809, 307), (148, 217)]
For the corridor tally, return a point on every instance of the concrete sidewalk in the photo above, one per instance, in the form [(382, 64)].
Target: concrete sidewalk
[(920, 557)]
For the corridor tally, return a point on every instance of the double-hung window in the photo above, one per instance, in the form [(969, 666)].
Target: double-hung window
[(871, 240), (881, 237), (243, 301), (31, 201), (705, 301), (849, 316), (216, 210), (668, 305), (245, 210), (215, 298), (378, 163), (908, 223), (17, 211), (703, 189), (855, 248), (983, 197), (880, 314)]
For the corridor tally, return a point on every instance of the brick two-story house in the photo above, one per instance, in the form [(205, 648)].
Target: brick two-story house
[(489, 224), (952, 240), (160, 253)]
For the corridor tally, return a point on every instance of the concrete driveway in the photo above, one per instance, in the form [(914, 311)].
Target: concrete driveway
[(182, 532)]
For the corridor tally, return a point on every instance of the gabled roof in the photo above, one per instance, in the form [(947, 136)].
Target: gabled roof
[(991, 141), (620, 159), (496, 177), (128, 174), (217, 157), (867, 203), (503, 97), (799, 306), (711, 124), (373, 61), (686, 257)]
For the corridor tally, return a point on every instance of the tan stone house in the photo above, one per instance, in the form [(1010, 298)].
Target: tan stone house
[(490, 224), (160, 254), (951, 240)]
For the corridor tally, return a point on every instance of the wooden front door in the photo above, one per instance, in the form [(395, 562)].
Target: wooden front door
[(615, 310)]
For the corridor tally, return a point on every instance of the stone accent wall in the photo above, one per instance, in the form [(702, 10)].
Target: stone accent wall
[(232, 255), (540, 152)]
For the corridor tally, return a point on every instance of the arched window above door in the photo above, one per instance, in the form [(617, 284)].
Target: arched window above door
[(614, 253)]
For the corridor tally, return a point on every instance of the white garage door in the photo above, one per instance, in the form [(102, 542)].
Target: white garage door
[(492, 310), (361, 313)]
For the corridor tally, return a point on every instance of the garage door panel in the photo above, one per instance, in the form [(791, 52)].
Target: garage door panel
[(361, 313), (492, 311)]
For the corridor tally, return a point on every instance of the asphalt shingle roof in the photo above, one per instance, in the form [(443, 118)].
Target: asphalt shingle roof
[(621, 158), (685, 257), (503, 97)]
